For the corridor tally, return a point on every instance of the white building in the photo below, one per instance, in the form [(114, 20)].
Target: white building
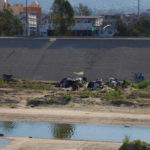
[(83, 27), (29, 23), (45, 25)]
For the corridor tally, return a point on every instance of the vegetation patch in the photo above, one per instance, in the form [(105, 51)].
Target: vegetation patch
[(135, 145), (26, 84), (114, 95), (85, 95), (127, 83), (142, 85), (67, 97)]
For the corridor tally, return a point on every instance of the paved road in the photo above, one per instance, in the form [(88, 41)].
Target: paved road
[(45, 59)]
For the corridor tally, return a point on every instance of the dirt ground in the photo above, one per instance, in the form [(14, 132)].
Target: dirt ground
[(63, 115), (47, 144), (14, 109)]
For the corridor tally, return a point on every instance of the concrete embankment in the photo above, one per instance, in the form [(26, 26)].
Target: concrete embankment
[(46, 59)]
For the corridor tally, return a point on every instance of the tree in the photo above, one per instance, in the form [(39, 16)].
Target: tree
[(142, 28), (63, 16), (82, 10), (122, 29), (9, 24)]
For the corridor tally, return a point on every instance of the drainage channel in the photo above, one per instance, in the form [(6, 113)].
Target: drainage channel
[(109, 133)]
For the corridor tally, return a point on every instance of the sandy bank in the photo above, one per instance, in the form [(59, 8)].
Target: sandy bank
[(48, 144), (57, 115)]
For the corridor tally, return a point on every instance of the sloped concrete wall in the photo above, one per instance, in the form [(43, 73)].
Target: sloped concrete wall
[(43, 59)]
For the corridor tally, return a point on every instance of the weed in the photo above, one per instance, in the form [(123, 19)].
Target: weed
[(126, 83), (142, 85), (126, 143), (85, 88), (51, 101), (85, 95), (2, 83), (139, 145), (114, 95), (67, 97)]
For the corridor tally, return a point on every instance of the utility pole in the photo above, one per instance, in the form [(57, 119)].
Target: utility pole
[(138, 8), (26, 18)]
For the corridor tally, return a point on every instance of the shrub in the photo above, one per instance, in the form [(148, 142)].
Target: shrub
[(2, 83), (135, 145), (86, 95), (127, 83), (142, 85), (67, 97), (85, 88), (139, 145), (114, 95), (126, 143), (51, 101)]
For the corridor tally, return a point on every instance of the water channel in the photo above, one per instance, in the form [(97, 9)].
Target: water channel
[(110, 133)]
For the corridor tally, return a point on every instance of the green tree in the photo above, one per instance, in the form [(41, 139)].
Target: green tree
[(122, 29), (142, 28), (9, 24), (63, 16), (82, 10)]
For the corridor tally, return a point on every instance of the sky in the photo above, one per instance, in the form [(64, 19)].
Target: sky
[(127, 6)]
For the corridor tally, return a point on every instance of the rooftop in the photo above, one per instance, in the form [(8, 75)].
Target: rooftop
[(87, 17)]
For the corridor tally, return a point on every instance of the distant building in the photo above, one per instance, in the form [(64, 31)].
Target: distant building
[(85, 25), (34, 9), (130, 19), (97, 26), (4, 4), (107, 31), (146, 14), (108, 28), (18, 9), (45, 26), (30, 22)]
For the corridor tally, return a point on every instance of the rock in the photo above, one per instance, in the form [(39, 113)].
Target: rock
[(1, 134)]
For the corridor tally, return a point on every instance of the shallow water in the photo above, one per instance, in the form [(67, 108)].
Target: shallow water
[(111, 133), (4, 142)]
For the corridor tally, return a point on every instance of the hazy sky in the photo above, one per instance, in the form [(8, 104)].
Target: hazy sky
[(111, 5)]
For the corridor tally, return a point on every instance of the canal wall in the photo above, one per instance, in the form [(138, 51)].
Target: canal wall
[(53, 59)]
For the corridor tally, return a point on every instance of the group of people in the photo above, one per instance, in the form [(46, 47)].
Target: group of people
[(76, 83)]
